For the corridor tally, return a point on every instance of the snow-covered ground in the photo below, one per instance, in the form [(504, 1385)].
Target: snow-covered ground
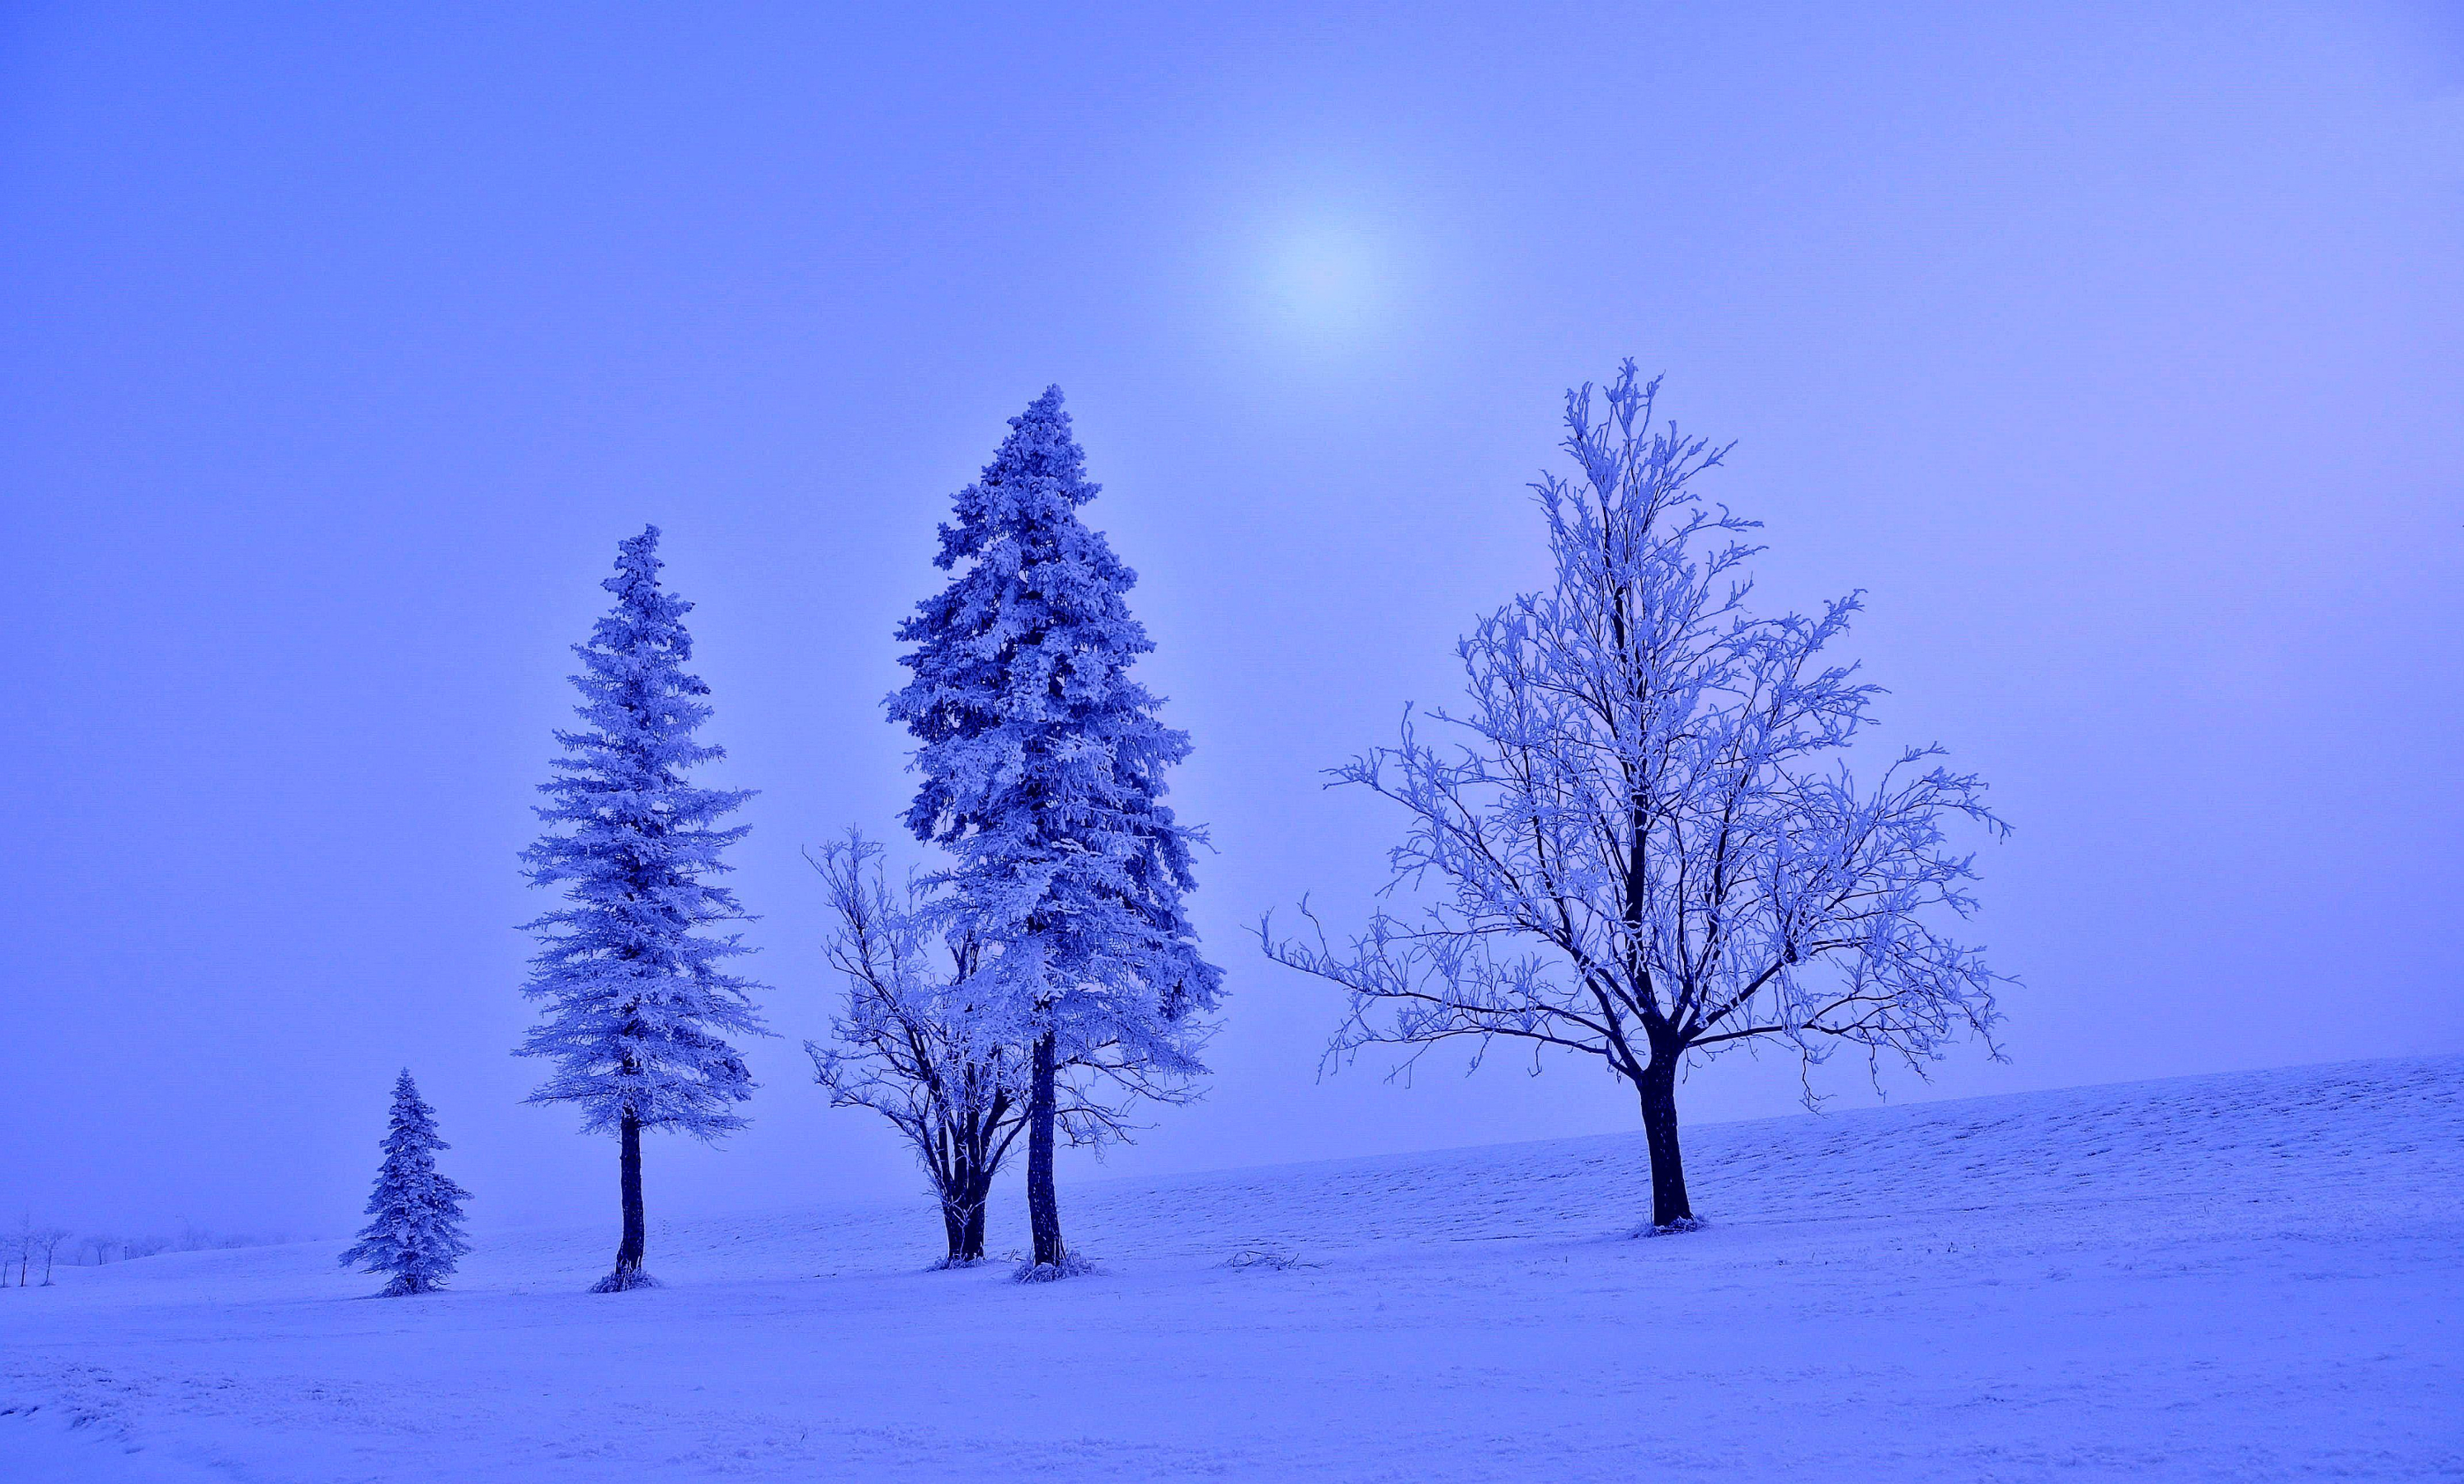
[(2238, 1278)]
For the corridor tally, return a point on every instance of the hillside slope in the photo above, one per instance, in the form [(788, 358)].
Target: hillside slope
[(2229, 1277)]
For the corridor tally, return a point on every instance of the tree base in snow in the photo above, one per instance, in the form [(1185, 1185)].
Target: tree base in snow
[(1675, 1227), (1070, 1265), (623, 1280), (403, 1287)]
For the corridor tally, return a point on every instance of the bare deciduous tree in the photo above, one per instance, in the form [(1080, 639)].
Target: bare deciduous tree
[(1647, 844), (910, 1044), (917, 1045), (46, 1241)]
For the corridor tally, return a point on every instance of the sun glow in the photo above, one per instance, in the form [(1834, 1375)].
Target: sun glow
[(1327, 280)]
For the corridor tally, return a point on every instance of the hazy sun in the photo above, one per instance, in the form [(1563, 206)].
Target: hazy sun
[(1324, 278)]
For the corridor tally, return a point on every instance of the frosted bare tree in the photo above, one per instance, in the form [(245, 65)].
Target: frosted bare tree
[(910, 1044), (1641, 839), (46, 1241), (921, 1043)]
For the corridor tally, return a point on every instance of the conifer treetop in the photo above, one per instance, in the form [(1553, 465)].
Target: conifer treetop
[(1043, 761), (638, 1006)]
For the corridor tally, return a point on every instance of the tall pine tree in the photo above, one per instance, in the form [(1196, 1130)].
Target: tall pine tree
[(417, 1232), (638, 1005), (1044, 777)]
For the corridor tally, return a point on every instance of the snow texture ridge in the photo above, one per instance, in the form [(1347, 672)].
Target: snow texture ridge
[(2238, 1276)]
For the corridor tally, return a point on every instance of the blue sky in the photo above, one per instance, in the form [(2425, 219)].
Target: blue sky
[(2119, 355)]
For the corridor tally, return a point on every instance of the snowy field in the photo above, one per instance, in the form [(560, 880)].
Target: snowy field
[(2240, 1278)]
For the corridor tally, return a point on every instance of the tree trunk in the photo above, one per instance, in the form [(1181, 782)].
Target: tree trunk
[(954, 1223), (1658, 1091), (1043, 1209), (629, 1256), (987, 1144), (978, 1197)]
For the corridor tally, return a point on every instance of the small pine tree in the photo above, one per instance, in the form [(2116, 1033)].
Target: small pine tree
[(417, 1234), (638, 1008), (1043, 763)]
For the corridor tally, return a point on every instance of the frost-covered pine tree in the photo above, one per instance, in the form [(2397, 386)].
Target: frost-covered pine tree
[(639, 1008), (1044, 778), (416, 1234)]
